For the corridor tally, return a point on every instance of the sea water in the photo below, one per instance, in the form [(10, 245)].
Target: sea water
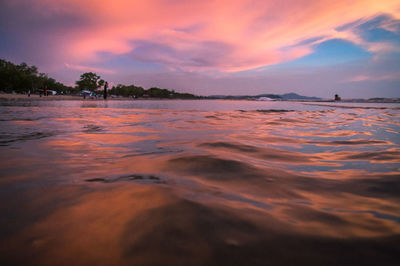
[(199, 182)]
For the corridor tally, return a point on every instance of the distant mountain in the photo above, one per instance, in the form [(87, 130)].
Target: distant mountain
[(230, 97), (287, 96), (240, 97), (295, 96), (272, 96)]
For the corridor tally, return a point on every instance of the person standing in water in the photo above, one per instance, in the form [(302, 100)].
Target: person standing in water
[(105, 90)]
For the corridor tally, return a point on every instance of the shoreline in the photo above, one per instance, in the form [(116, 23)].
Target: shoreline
[(36, 97)]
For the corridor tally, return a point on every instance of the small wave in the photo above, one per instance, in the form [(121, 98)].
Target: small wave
[(151, 178), (271, 154), (382, 156), (354, 107), (92, 128), (6, 139), (350, 142), (274, 111), (268, 111)]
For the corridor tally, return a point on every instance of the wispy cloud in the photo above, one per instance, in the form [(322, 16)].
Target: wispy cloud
[(89, 69), (375, 77)]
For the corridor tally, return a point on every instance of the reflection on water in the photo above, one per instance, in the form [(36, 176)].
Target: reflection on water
[(198, 183)]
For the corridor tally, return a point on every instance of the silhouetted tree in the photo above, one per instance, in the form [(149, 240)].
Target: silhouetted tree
[(159, 93), (127, 91), (22, 78), (89, 81)]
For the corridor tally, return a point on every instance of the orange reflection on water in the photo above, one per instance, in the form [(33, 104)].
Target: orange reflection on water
[(346, 215), (111, 139), (90, 230), (349, 174)]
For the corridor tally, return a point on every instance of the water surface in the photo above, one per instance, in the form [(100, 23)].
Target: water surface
[(199, 183)]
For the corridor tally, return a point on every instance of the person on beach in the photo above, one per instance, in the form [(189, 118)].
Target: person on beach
[(45, 90), (29, 93), (105, 90)]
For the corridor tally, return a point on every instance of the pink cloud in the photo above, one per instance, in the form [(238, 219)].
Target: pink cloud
[(226, 35)]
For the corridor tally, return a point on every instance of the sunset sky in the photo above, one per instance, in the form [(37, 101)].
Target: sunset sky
[(311, 47)]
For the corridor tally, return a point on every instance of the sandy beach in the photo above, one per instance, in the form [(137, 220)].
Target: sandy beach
[(36, 97)]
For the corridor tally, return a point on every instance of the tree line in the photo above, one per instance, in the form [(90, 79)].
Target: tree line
[(154, 92), (21, 78)]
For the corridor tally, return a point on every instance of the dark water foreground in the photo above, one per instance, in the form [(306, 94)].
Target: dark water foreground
[(164, 183)]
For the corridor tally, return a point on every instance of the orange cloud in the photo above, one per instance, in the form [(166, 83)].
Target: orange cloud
[(227, 35)]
